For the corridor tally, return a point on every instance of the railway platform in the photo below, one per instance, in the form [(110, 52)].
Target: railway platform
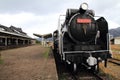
[(28, 63)]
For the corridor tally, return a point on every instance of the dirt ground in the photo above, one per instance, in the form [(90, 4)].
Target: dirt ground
[(112, 71), (115, 70), (27, 63)]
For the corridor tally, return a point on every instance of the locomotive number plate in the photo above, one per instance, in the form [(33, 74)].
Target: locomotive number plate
[(83, 20)]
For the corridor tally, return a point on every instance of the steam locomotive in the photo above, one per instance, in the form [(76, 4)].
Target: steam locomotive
[(82, 39)]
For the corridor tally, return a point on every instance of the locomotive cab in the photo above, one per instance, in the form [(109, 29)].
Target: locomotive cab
[(55, 40)]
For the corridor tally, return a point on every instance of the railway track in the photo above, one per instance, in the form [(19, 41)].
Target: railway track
[(73, 76), (65, 73), (87, 75), (97, 76), (114, 61)]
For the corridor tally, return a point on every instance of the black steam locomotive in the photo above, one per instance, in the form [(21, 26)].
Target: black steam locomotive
[(82, 39)]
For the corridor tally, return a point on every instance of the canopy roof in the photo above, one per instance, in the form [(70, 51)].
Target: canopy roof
[(44, 35)]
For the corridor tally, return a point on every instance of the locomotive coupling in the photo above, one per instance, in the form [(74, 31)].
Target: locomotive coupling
[(91, 61)]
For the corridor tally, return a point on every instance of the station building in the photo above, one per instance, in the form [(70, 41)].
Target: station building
[(115, 40), (13, 36)]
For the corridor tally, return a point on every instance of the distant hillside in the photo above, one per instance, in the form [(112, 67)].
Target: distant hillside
[(40, 39), (115, 32)]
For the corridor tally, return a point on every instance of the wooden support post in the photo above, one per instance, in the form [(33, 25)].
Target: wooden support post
[(23, 42), (5, 41), (42, 41), (16, 41)]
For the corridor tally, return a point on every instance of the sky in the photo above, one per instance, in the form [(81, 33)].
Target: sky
[(41, 16)]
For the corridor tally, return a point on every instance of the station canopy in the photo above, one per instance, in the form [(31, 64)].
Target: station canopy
[(43, 36)]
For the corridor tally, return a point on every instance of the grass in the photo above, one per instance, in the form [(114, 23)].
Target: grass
[(109, 76), (116, 56), (107, 73), (101, 72), (63, 77), (116, 51), (46, 53), (115, 47), (1, 61)]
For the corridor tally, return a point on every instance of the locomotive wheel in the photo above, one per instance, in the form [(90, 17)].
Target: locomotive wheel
[(95, 68), (74, 67)]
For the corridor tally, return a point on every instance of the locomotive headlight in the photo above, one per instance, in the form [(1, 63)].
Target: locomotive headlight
[(84, 6)]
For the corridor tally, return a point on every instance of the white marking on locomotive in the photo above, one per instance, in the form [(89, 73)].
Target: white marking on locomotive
[(91, 61)]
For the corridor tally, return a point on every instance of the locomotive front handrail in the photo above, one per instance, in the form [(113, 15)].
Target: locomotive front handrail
[(87, 51)]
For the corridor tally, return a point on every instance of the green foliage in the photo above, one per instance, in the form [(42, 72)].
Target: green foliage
[(1, 61), (38, 42), (107, 75), (46, 53), (101, 73), (116, 56), (63, 77), (111, 77)]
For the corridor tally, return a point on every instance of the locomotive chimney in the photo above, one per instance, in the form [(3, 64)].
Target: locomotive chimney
[(83, 8)]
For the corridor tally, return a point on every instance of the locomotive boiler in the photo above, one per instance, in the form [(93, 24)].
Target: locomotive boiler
[(82, 39)]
